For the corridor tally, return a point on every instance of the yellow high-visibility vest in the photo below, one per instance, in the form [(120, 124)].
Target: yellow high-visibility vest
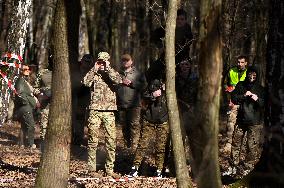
[(236, 75)]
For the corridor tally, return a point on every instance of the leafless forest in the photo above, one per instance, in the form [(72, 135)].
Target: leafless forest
[(68, 29)]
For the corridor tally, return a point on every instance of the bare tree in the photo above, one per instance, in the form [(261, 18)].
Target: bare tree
[(44, 11), (54, 165), (204, 134), (174, 120), (16, 41), (272, 161)]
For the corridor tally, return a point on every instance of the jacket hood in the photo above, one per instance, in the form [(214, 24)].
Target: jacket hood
[(250, 70)]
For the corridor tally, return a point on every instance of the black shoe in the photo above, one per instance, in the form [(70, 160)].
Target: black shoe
[(133, 172), (158, 174)]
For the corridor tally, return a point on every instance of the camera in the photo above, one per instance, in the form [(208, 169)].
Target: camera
[(101, 64)]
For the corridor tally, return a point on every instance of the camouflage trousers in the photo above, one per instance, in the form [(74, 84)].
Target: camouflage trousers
[(129, 118), (43, 121), (232, 119), (161, 132), (107, 120), (246, 147)]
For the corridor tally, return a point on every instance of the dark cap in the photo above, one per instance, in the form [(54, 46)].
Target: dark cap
[(87, 58), (126, 57)]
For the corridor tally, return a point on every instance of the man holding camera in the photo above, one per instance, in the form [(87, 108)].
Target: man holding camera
[(103, 79)]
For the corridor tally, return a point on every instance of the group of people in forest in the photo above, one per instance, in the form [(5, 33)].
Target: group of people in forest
[(138, 100), (141, 105)]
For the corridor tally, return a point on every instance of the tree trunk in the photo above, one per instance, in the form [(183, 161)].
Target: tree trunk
[(54, 166), (273, 156), (174, 120), (83, 33), (16, 40), (45, 12), (73, 18), (18, 29), (90, 18), (261, 28), (204, 138), (5, 13)]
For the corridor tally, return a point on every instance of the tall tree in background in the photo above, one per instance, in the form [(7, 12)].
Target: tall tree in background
[(73, 8), (5, 14), (43, 16), (16, 41), (19, 23), (273, 155), (90, 18), (260, 20), (204, 138), (174, 120), (54, 165)]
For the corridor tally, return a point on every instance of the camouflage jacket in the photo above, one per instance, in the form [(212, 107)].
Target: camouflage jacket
[(42, 87), (43, 80), (103, 85)]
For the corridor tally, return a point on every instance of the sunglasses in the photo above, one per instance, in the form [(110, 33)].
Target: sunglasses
[(26, 69)]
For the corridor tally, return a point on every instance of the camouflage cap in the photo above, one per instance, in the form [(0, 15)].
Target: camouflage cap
[(103, 56)]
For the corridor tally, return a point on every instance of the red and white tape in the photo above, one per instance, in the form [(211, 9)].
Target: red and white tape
[(14, 56), (9, 83), (17, 65)]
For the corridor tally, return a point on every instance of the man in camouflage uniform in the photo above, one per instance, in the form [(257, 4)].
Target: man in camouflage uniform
[(43, 91), (103, 79), (155, 121)]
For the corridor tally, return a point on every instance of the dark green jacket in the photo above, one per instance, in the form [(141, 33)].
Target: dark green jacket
[(24, 100)]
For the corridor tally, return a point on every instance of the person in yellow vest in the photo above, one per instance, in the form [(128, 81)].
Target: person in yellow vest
[(235, 75)]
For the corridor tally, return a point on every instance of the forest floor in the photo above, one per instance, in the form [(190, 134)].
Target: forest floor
[(18, 165)]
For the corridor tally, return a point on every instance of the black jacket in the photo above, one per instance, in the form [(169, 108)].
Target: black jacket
[(155, 110), (24, 99), (250, 111), (130, 96)]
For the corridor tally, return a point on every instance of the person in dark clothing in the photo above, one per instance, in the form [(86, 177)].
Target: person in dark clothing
[(155, 121), (183, 37), (249, 94), (25, 103), (129, 100)]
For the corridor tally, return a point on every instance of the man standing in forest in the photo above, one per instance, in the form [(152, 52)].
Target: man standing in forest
[(155, 121), (183, 37), (249, 95), (236, 74), (186, 91), (25, 103), (43, 91), (103, 79), (129, 101)]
